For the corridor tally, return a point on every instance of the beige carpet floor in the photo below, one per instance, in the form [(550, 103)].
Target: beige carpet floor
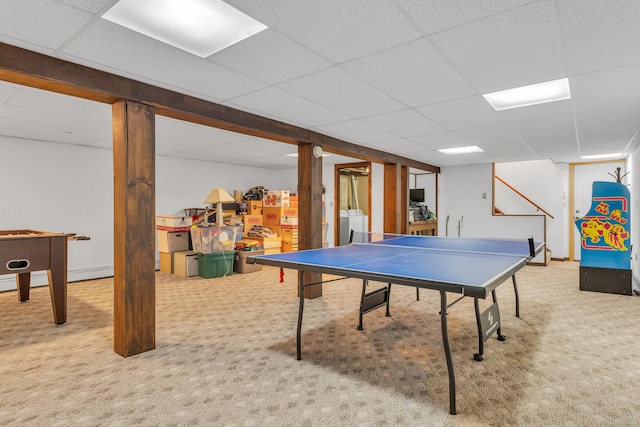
[(225, 356)]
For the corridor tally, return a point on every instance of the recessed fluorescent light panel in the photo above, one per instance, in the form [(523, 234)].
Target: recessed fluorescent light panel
[(555, 90), (462, 150), (602, 156), (201, 27)]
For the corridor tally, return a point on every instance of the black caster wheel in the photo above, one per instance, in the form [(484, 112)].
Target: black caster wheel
[(477, 357)]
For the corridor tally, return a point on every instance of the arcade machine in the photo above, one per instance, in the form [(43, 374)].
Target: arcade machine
[(605, 260)]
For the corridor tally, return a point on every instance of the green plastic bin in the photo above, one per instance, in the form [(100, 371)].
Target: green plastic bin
[(216, 264)]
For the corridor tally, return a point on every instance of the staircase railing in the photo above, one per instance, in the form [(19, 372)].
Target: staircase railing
[(523, 196)]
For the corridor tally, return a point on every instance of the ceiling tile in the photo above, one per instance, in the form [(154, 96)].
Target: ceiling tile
[(596, 120), (438, 141), (515, 48), (518, 157), (336, 29), (355, 131), (166, 125), (92, 6), (7, 90), (600, 34), (611, 88), (266, 146), (112, 47), (404, 123), (559, 149), (55, 132), (270, 57), (414, 73), (278, 104), (30, 21), (618, 138), (507, 148), (58, 104), (436, 15), (463, 113), (488, 135), (539, 112), (342, 92), (554, 126), (63, 121), (398, 146), (437, 158)]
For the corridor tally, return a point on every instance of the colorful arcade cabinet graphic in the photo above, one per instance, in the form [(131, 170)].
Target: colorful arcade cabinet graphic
[(605, 255)]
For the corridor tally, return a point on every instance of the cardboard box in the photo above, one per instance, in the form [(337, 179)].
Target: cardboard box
[(173, 241), (272, 251), (289, 220), (275, 216), (166, 262), (185, 263), (289, 234), (277, 198), (251, 220), (269, 242), (254, 207), (240, 262), (289, 246), (293, 201), (173, 221)]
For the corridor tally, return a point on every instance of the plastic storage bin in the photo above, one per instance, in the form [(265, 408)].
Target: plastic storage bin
[(240, 262), (214, 239), (217, 264)]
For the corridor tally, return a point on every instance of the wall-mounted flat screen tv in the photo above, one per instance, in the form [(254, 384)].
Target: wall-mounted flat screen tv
[(416, 195)]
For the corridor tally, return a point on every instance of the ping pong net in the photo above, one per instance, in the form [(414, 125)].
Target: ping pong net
[(370, 237), (515, 247)]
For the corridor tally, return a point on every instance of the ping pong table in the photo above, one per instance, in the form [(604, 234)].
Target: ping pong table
[(466, 266)]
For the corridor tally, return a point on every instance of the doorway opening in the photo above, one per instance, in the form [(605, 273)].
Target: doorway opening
[(352, 200)]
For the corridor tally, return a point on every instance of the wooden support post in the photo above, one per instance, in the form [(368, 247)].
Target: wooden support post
[(404, 199), (310, 210), (395, 199), (134, 233)]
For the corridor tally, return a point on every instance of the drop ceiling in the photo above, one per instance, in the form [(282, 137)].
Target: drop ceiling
[(401, 76)]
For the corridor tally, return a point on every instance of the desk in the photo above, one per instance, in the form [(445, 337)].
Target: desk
[(428, 227), (24, 251), (470, 267)]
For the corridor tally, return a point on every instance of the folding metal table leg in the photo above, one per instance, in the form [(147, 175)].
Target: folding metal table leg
[(447, 352)]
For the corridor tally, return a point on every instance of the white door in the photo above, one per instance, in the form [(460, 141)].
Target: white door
[(584, 176)]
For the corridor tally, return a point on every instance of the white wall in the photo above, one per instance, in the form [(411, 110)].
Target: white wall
[(633, 165), (461, 190), (428, 182), (60, 188), (376, 218), (541, 181), (67, 188), (328, 179)]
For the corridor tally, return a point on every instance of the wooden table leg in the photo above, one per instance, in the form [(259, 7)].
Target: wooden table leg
[(58, 279), (24, 285)]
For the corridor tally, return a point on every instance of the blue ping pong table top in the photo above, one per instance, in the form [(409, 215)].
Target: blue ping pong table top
[(471, 273)]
